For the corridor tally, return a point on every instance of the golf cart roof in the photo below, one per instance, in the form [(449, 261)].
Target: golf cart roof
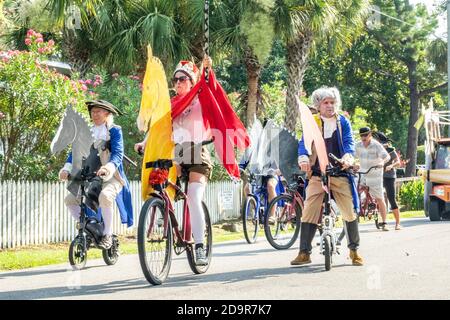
[(443, 141)]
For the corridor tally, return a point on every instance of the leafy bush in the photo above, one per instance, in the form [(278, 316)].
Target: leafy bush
[(33, 99), (411, 195)]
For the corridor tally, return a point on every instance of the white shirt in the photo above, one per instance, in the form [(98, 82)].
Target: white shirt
[(329, 126), (100, 132), (189, 126)]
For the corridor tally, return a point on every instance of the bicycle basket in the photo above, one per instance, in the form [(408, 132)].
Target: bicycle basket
[(158, 178)]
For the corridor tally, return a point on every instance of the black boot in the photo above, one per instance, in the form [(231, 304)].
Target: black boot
[(307, 232), (352, 234)]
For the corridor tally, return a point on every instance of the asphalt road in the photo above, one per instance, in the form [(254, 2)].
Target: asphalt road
[(412, 263)]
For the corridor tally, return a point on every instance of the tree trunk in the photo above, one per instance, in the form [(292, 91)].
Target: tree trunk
[(253, 73), (297, 62), (413, 134)]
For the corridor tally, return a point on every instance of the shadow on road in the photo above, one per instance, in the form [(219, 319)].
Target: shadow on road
[(25, 273), (62, 292)]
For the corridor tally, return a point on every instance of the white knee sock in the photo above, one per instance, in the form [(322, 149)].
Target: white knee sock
[(74, 211), (195, 196), (107, 220)]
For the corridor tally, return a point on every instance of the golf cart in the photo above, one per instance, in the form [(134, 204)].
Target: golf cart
[(437, 165)]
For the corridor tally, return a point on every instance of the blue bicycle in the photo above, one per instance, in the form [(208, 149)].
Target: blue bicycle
[(255, 207)]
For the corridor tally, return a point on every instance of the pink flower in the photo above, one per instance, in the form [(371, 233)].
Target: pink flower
[(88, 82), (27, 41), (41, 50), (115, 75), (92, 93), (51, 43), (83, 87), (97, 77), (39, 40), (81, 82), (96, 83), (30, 33)]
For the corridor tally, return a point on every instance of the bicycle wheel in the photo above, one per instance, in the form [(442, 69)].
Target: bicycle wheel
[(327, 252), (375, 219), (77, 255), (250, 220), (207, 243), (111, 255), (155, 250), (284, 232)]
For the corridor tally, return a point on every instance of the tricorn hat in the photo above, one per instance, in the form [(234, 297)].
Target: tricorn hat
[(104, 105)]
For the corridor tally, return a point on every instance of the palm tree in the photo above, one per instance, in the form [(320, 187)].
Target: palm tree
[(119, 31), (244, 29), (305, 24)]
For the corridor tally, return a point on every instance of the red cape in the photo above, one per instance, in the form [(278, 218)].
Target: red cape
[(218, 115)]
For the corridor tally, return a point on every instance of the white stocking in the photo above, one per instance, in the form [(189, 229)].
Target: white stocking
[(107, 214), (195, 196)]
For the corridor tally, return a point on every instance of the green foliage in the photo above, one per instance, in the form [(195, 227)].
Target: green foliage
[(33, 98), (125, 93), (257, 26), (359, 119), (275, 94), (421, 154), (411, 195)]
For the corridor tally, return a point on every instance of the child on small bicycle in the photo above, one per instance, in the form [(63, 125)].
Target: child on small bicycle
[(115, 184)]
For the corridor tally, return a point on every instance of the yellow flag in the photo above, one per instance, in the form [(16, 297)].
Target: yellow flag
[(155, 118)]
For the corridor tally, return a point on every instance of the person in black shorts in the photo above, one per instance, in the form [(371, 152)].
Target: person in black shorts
[(390, 175)]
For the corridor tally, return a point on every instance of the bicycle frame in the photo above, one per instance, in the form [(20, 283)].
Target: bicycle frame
[(182, 239), (328, 219), (363, 212), (258, 192)]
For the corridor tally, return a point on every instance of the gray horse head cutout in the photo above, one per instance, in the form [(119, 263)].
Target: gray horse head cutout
[(254, 135), (73, 130), (284, 153), (260, 159)]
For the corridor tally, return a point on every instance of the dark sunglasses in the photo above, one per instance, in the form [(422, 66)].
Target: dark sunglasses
[(181, 79)]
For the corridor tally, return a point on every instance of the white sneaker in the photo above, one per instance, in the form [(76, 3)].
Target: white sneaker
[(200, 257), (106, 242)]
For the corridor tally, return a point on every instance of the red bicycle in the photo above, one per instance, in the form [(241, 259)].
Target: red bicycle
[(160, 234), (288, 212), (368, 205)]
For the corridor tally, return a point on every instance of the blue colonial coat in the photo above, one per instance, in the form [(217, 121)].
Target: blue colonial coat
[(346, 145), (123, 199)]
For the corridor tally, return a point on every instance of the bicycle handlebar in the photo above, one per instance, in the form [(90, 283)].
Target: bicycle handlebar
[(371, 168), (168, 163)]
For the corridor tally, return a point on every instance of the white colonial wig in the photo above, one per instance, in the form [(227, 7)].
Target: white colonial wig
[(326, 92)]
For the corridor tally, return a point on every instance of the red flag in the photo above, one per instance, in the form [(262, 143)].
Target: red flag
[(218, 114)]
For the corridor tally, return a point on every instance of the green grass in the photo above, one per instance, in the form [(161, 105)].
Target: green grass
[(42, 255)]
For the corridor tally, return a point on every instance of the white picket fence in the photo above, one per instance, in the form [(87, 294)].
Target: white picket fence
[(33, 212)]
